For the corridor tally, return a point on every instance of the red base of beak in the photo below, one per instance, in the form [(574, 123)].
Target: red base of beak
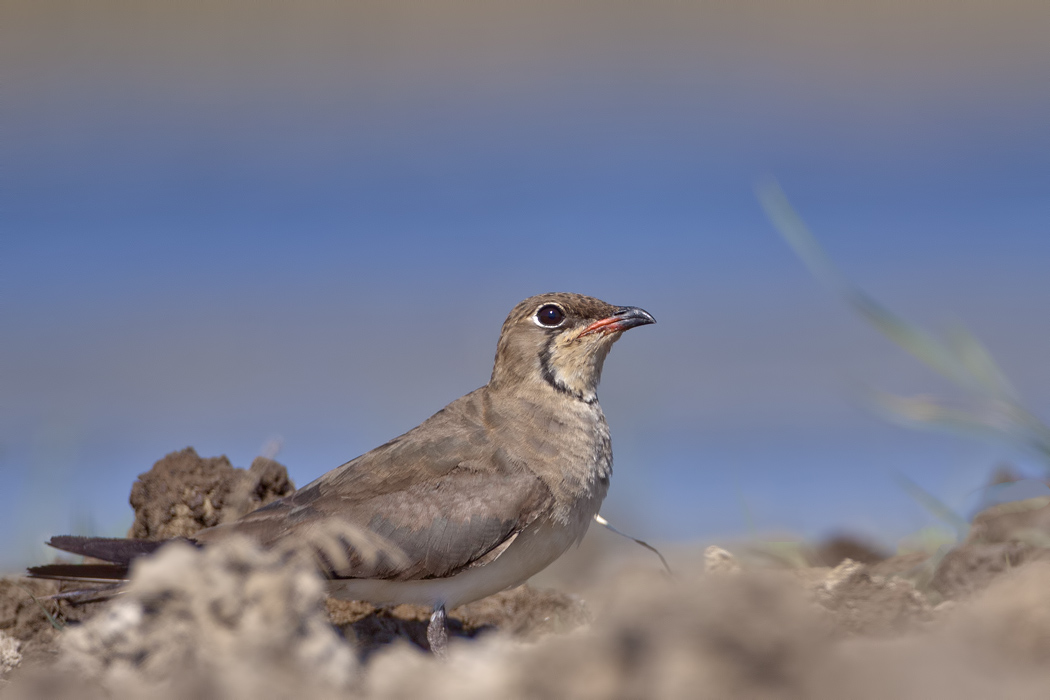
[(626, 317)]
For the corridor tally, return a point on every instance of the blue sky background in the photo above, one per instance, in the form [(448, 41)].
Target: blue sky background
[(225, 225)]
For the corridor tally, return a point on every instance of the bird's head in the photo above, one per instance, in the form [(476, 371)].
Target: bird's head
[(561, 340)]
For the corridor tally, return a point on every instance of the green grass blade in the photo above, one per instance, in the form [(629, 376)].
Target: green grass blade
[(936, 507)]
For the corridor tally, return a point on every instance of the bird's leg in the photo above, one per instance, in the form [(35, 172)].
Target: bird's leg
[(437, 632)]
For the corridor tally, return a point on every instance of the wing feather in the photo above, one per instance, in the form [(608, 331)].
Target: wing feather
[(439, 499)]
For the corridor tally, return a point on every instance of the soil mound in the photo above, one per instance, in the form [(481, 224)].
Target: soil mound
[(231, 621), (184, 493)]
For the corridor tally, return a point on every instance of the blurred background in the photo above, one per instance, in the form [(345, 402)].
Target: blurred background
[(297, 227)]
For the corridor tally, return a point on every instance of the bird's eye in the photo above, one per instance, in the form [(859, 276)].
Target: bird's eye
[(550, 315)]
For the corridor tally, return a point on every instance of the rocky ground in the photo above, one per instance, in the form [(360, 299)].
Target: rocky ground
[(235, 622)]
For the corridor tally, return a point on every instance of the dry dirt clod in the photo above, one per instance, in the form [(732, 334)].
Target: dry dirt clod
[(972, 567), (847, 570), (1015, 521), (10, 657), (720, 561), (862, 603), (229, 621), (1002, 538), (184, 493)]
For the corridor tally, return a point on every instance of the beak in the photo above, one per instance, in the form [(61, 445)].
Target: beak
[(626, 317)]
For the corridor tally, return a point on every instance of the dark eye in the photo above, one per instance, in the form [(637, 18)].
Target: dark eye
[(550, 315)]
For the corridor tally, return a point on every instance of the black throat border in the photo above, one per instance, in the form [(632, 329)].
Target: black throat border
[(550, 378)]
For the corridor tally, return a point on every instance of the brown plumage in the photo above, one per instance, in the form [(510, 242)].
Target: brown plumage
[(477, 498)]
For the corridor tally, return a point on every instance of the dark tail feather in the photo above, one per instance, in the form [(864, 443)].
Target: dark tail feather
[(111, 549), (84, 573), (119, 552)]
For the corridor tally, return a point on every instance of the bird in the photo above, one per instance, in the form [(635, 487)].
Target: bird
[(476, 499)]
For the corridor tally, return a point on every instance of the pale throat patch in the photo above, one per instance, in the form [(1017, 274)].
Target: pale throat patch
[(576, 362)]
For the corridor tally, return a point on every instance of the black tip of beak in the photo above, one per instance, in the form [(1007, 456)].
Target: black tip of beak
[(632, 316)]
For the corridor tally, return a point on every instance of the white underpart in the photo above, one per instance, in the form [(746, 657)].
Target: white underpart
[(532, 551)]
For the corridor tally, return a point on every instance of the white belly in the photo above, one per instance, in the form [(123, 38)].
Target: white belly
[(532, 551)]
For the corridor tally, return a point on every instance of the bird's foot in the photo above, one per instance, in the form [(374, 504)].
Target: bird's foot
[(437, 633)]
